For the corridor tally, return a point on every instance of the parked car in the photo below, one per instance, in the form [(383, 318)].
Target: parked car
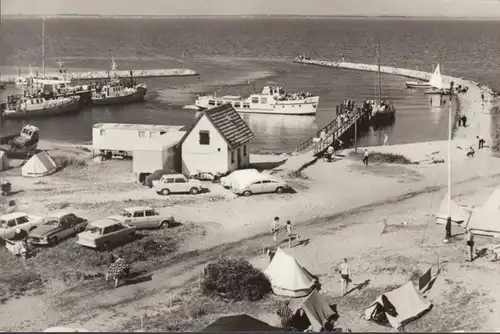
[(143, 217), (10, 222), (227, 181), (56, 227), (177, 183), (105, 233), (259, 184)]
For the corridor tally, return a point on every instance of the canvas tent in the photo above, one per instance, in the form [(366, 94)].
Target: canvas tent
[(240, 323), (459, 215), (288, 277), (4, 161), (40, 164), (398, 307), (316, 309), (485, 220)]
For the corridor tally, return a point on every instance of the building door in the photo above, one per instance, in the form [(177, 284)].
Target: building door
[(238, 157)]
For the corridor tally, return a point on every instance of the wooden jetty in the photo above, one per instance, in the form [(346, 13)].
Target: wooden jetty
[(125, 74), (335, 130)]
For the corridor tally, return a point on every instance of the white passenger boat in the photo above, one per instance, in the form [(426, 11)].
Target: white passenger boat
[(272, 100)]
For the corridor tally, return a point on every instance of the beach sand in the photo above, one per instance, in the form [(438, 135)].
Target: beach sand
[(339, 207)]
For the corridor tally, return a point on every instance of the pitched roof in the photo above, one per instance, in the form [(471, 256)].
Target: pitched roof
[(230, 125)]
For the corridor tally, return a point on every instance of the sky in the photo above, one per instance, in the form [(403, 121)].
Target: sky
[(419, 8)]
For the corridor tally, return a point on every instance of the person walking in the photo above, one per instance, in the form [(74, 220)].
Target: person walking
[(290, 233), (275, 229), (365, 157), (470, 244), (345, 277)]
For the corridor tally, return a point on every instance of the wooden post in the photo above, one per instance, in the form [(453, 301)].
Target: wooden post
[(142, 321), (355, 135)]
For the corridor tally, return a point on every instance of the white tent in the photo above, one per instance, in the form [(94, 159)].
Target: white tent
[(436, 79), (4, 161), (485, 220), (398, 307), (459, 215), (40, 164), (288, 277)]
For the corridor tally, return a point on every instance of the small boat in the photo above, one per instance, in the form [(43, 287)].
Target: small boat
[(64, 90), (115, 92), (272, 100), (417, 84), (437, 85), (31, 107), (383, 113), (21, 145)]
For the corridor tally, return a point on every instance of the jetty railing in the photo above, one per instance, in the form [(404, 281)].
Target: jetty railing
[(332, 130), (322, 145)]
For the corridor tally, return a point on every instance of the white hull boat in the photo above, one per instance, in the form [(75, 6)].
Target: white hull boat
[(272, 100), (417, 84)]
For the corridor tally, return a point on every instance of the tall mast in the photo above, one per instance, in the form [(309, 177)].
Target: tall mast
[(378, 73), (43, 46)]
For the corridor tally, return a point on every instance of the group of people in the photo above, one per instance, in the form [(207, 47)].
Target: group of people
[(290, 231)]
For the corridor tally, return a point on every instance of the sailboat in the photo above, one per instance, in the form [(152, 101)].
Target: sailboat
[(437, 85), (383, 113), (424, 84)]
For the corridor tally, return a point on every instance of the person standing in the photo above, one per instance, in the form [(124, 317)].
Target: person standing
[(365, 157), (285, 315), (275, 229), (386, 139), (470, 244), (345, 277), (290, 233), (464, 121)]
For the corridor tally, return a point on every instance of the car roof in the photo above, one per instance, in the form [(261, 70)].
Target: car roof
[(102, 223), (138, 208), (13, 215), (59, 214)]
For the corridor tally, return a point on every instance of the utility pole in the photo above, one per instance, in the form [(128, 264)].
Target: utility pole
[(356, 135)]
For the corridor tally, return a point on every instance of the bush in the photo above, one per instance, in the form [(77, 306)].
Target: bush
[(387, 158), (495, 129), (64, 161), (235, 279)]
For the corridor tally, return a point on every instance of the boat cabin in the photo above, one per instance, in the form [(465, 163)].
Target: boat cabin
[(273, 90)]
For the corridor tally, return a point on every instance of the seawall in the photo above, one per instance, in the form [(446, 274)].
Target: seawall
[(91, 75)]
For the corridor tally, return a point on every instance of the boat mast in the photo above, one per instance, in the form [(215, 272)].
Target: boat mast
[(379, 78), (43, 46)]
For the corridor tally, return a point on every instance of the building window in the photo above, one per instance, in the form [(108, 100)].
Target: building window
[(232, 157), (246, 105), (102, 132), (204, 138), (237, 104), (244, 150), (211, 102), (142, 134)]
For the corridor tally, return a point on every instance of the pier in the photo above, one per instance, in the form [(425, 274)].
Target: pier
[(124, 74)]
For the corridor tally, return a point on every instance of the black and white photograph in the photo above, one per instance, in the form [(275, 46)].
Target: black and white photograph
[(249, 165)]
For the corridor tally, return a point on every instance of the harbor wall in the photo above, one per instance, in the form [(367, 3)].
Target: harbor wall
[(92, 75)]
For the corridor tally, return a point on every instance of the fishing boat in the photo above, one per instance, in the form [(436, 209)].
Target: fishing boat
[(382, 113), (437, 85), (272, 100), (116, 92), (30, 107)]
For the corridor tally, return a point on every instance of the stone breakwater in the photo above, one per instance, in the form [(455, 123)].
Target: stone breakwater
[(91, 75), (396, 71)]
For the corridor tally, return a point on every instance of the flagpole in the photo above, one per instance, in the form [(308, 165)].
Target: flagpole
[(448, 221)]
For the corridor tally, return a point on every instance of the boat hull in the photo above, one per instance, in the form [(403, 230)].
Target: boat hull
[(303, 109), (71, 107), (416, 84), (138, 96), (383, 119)]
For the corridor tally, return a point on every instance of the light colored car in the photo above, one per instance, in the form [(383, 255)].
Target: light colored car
[(259, 184), (177, 183), (227, 181), (65, 330), (56, 227), (143, 217), (10, 222), (105, 233)]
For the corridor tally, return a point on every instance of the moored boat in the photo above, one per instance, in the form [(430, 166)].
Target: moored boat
[(417, 84), (272, 100), (32, 107), (116, 93), (382, 114)]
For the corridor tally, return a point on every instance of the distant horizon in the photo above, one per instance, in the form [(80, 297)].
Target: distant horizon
[(70, 15)]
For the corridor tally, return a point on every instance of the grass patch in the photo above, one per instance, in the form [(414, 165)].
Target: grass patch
[(63, 161), (68, 264), (384, 158), (495, 129)]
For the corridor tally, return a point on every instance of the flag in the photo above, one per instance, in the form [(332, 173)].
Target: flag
[(424, 279)]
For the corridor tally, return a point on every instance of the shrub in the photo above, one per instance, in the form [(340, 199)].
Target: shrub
[(495, 129), (64, 161), (235, 279), (377, 157)]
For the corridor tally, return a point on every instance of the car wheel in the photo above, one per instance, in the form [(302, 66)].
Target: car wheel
[(53, 241), (165, 224), (194, 191), (165, 192), (247, 193), (280, 190)]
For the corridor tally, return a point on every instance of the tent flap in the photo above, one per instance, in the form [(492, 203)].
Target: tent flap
[(317, 309)]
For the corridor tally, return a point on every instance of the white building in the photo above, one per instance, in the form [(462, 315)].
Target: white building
[(164, 154), (122, 139), (217, 143)]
